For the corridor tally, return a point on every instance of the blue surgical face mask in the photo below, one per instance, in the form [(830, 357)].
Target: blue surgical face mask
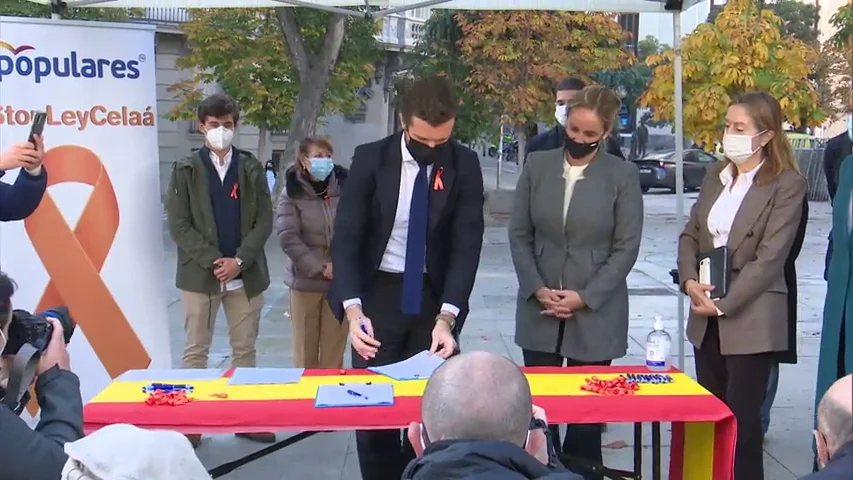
[(321, 168)]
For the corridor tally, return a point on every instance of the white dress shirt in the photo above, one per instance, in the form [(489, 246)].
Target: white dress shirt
[(394, 258), (571, 174), (722, 214), (221, 165)]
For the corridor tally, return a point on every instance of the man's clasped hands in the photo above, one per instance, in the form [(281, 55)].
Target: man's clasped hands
[(559, 303)]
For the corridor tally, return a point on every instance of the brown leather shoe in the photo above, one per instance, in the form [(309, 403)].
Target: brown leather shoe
[(195, 440), (260, 437)]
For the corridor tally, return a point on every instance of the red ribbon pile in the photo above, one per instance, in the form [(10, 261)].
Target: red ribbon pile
[(615, 386), (168, 399)]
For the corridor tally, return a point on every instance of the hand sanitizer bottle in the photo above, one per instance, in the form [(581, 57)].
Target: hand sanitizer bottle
[(658, 346)]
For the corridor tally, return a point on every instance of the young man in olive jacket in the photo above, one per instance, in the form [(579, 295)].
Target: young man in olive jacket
[(220, 216)]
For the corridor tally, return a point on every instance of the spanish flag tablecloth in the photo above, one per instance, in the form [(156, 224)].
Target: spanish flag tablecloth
[(703, 428)]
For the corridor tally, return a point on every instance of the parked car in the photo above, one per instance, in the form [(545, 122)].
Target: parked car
[(657, 170)]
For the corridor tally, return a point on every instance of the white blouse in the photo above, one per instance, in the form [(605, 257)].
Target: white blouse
[(722, 214), (571, 175)]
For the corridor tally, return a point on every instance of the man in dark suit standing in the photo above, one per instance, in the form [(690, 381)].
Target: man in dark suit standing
[(837, 149), (564, 92), (406, 248)]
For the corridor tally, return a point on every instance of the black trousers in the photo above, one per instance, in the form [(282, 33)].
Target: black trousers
[(384, 454), (740, 381), (582, 440)]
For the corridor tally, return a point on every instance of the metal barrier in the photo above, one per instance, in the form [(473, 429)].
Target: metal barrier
[(810, 161)]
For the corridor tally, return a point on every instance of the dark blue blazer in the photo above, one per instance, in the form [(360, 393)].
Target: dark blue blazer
[(20, 199)]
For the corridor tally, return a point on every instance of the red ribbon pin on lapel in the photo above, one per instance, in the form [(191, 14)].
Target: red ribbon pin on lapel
[(438, 184), (234, 191)]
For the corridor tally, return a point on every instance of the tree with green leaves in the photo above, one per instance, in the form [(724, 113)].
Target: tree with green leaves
[(241, 51), (246, 52), (742, 50), (437, 53), (799, 19), (516, 57), (841, 44), (333, 56), (25, 8), (631, 81)]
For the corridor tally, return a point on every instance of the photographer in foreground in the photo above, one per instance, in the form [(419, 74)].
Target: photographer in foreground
[(20, 199), (479, 421), (27, 454)]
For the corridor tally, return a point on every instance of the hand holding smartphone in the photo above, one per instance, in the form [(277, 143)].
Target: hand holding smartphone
[(37, 128)]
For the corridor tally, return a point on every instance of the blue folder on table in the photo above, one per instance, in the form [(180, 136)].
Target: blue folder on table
[(418, 367), (355, 395), (265, 376)]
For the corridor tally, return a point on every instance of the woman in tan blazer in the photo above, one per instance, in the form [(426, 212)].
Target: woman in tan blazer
[(751, 203)]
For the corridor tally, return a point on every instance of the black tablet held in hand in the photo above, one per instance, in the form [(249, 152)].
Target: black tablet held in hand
[(714, 270)]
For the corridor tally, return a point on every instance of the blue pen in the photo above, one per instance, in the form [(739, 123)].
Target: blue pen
[(364, 328), (356, 394)]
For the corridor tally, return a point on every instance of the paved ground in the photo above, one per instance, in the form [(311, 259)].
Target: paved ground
[(490, 327)]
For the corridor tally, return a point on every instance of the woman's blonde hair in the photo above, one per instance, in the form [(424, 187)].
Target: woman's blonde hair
[(601, 100), (766, 113)]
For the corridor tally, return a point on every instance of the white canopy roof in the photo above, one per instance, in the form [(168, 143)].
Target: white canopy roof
[(619, 6)]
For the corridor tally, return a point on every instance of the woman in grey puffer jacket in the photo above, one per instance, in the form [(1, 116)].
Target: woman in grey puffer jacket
[(304, 223)]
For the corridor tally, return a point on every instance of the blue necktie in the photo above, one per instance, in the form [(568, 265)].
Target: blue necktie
[(413, 275)]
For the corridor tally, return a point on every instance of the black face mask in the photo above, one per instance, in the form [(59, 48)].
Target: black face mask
[(578, 149), (423, 153)]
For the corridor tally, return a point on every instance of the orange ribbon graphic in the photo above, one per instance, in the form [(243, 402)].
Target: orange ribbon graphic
[(438, 184), (73, 259)]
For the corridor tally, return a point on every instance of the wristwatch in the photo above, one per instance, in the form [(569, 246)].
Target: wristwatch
[(239, 262), (447, 318)]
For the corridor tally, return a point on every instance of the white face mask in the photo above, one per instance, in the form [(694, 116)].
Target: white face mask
[(561, 112), (219, 138), (738, 148), (850, 126)]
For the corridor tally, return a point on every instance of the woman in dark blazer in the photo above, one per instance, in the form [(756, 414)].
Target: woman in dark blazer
[(574, 236), (752, 205)]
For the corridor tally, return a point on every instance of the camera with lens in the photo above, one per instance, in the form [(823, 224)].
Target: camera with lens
[(29, 336), (35, 329)]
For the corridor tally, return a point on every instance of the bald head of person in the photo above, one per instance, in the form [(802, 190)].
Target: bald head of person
[(477, 396), (834, 419)]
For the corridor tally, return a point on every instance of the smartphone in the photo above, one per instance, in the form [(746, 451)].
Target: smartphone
[(37, 127), (705, 273)]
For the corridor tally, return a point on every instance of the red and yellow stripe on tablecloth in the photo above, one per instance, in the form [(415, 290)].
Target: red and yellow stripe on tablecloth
[(703, 428), (547, 384)]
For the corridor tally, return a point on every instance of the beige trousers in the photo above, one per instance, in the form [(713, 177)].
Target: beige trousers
[(319, 340), (243, 315)]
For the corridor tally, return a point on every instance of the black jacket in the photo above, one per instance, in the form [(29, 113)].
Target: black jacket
[(366, 214), (39, 454), (837, 149), (456, 460), (790, 355), (554, 139), (840, 466)]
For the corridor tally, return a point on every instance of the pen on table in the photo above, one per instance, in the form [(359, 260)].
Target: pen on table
[(356, 394)]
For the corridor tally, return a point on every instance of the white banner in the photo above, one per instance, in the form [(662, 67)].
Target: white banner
[(95, 242)]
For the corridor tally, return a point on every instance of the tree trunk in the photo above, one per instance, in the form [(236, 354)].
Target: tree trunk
[(315, 69), (262, 145), (520, 130)]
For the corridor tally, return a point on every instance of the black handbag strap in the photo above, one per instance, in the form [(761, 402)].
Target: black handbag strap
[(22, 376)]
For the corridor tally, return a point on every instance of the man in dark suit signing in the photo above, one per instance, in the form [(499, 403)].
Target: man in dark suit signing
[(405, 250)]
